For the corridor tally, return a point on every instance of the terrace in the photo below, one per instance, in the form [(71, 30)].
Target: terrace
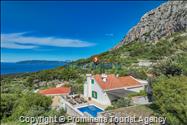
[(77, 105), (75, 100), (79, 100)]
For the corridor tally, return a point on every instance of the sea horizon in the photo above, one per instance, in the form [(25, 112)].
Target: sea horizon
[(8, 68)]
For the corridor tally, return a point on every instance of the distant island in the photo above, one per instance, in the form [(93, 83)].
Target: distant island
[(43, 62)]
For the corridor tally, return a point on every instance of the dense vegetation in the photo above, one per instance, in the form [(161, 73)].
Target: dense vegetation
[(170, 95), (122, 102), (168, 59), (18, 99)]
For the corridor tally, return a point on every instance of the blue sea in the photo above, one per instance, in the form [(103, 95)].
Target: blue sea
[(13, 68)]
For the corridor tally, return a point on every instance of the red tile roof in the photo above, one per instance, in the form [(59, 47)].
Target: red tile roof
[(56, 91), (114, 82)]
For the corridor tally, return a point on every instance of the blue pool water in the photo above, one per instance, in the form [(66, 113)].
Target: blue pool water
[(91, 109)]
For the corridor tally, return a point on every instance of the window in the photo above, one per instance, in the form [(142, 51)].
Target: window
[(94, 94), (92, 81)]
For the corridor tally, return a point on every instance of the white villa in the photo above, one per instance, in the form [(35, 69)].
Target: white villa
[(99, 91), (106, 88)]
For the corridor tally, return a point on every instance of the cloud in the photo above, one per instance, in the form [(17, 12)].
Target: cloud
[(21, 41), (109, 34)]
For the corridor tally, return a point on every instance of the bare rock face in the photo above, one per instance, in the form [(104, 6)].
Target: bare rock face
[(166, 19)]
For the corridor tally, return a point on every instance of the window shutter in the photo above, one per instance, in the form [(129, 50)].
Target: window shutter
[(92, 81), (94, 94)]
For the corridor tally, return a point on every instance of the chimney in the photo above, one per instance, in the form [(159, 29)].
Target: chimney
[(104, 77), (117, 75), (88, 75)]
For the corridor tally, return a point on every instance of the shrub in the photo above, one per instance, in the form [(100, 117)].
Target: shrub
[(170, 95), (31, 104), (168, 68), (122, 102)]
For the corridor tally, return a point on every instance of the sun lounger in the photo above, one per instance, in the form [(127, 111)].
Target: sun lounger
[(72, 102), (77, 96), (78, 100), (83, 100), (67, 97)]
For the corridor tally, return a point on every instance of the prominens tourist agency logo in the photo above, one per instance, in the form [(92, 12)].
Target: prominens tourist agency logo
[(95, 60), (103, 64), (96, 64)]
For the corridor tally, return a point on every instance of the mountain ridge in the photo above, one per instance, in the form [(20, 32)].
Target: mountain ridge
[(163, 21)]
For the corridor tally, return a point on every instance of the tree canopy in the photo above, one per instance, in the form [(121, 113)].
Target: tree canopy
[(170, 95)]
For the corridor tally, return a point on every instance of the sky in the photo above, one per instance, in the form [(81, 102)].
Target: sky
[(47, 30)]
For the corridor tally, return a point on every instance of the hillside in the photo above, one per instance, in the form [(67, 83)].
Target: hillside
[(163, 21), (142, 56)]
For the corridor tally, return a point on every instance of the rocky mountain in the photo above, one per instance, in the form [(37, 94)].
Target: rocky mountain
[(163, 21)]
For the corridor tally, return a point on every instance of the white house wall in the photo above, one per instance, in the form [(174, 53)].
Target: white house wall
[(102, 96), (85, 89), (88, 85)]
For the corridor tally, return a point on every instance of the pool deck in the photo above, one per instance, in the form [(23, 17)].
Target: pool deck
[(73, 109), (90, 102), (97, 104)]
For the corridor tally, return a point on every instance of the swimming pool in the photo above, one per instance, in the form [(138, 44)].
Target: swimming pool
[(91, 109)]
